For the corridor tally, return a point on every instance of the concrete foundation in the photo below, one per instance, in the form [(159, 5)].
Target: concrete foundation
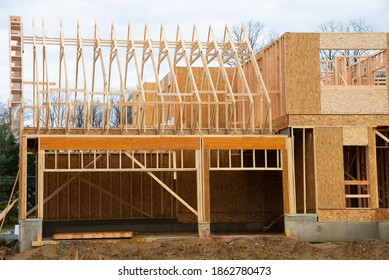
[(306, 227), (30, 230)]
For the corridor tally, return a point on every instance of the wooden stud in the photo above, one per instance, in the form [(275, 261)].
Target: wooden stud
[(92, 235)]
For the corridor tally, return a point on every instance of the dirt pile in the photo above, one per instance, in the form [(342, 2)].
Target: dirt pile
[(239, 248)]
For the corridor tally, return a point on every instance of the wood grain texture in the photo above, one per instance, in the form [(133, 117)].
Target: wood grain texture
[(372, 168), (354, 100), (259, 143), (119, 143), (302, 73), (353, 215), (338, 120), (92, 235), (329, 152), (353, 41)]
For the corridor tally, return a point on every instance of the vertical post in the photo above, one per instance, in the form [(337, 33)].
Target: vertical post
[(287, 178), (41, 166), (23, 178), (203, 193)]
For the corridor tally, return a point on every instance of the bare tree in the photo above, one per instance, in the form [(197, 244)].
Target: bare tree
[(114, 117), (4, 113), (254, 31), (271, 36), (97, 116)]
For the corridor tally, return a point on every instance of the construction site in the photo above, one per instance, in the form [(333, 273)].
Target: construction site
[(137, 137)]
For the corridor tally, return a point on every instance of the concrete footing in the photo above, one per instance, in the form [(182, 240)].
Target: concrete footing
[(306, 227), (204, 229), (30, 230)]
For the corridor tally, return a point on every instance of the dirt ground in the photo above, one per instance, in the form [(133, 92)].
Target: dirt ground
[(243, 248)]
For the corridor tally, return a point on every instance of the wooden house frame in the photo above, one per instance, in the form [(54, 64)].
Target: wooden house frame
[(205, 135)]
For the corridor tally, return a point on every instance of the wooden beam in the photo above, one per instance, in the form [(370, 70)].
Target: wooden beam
[(92, 235), (287, 179), (23, 179), (40, 194), (246, 143), (119, 143), (381, 135)]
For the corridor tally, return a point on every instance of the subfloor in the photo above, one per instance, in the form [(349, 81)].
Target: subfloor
[(217, 248)]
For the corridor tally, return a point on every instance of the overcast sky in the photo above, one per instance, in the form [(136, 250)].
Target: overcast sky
[(278, 15)]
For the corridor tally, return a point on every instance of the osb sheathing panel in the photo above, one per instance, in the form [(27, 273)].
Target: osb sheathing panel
[(354, 100), (302, 73), (355, 136), (353, 215), (338, 120), (329, 160), (373, 168), (185, 85), (353, 41)]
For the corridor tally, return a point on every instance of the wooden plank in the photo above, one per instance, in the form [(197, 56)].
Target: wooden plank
[(356, 182), (40, 194), (354, 100), (206, 186), (119, 143), (338, 120), (302, 73), (353, 41), (287, 179), (330, 178), (355, 136), (354, 215), (23, 179), (372, 168), (346, 215), (246, 143), (92, 235)]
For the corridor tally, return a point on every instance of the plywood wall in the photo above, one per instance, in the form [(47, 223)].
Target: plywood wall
[(354, 100), (302, 73), (353, 41), (329, 155), (355, 136)]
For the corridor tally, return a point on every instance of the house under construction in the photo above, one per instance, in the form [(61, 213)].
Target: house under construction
[(149, 135)]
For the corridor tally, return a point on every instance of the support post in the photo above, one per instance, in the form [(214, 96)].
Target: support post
[(203, 193), (23, 178), (287, 178), (41, 166)]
